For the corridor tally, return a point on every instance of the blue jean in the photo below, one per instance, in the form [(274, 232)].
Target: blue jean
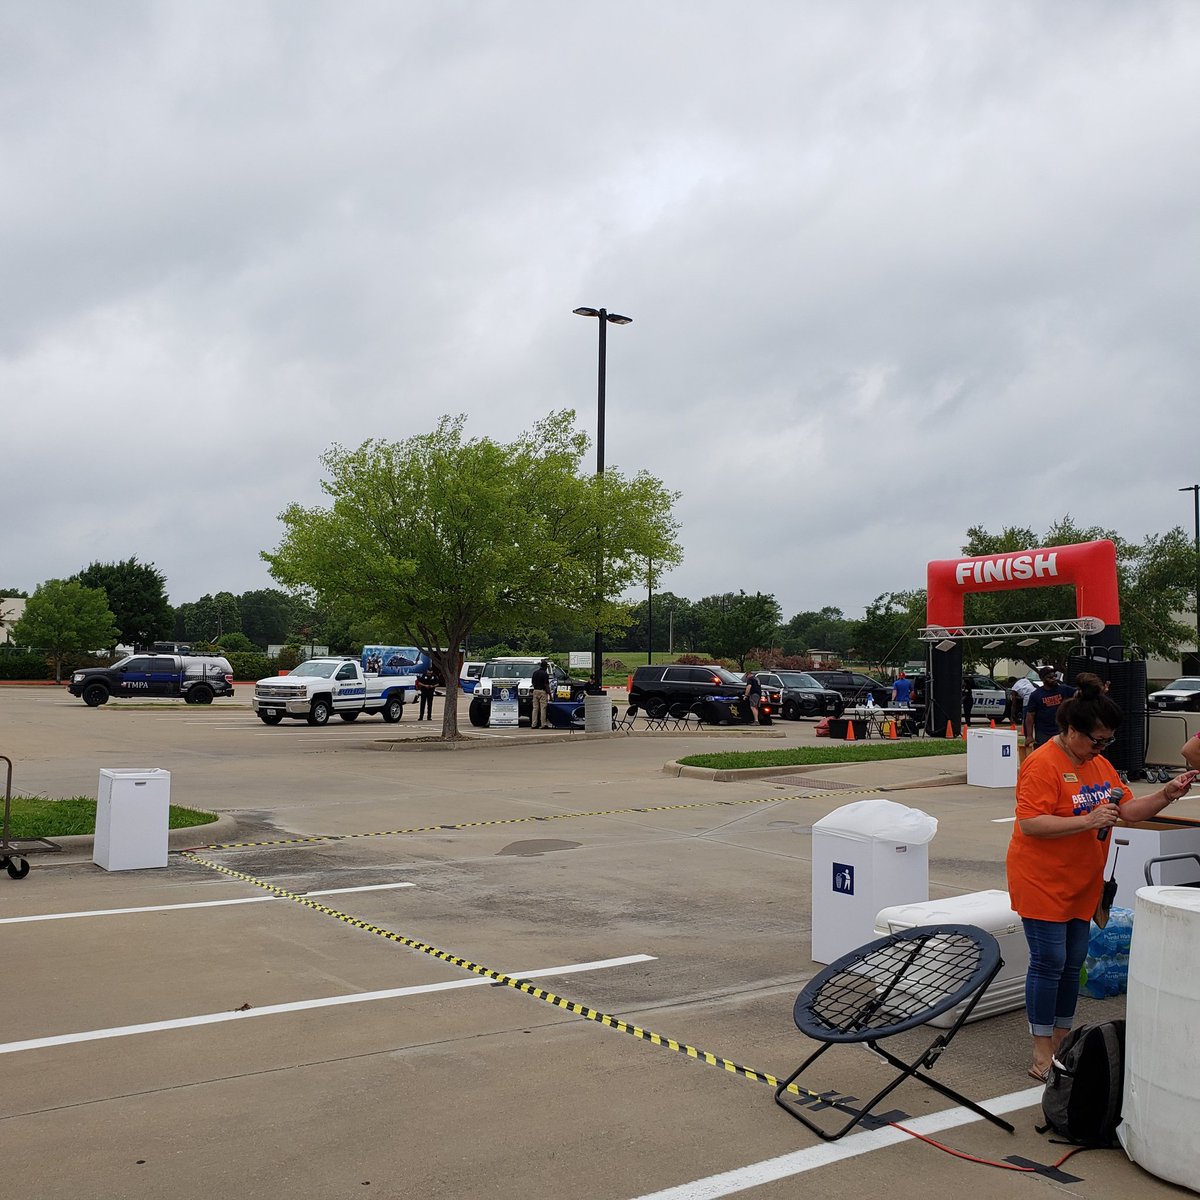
[(1056, 953)]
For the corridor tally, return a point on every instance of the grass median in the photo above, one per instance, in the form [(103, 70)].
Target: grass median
[(804, 756), (38, 817)]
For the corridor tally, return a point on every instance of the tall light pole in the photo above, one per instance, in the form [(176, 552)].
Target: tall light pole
[(603, 316), (1194, 488)]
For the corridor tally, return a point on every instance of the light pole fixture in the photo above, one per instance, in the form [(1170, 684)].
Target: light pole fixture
[(1194, 488), (603, 316)]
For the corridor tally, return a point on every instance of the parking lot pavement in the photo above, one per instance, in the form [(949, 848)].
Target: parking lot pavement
[(242, 1032)]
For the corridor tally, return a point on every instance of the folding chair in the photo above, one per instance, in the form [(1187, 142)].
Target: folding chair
[(884, 988), (657, 715), (687, 717), (626, 722)]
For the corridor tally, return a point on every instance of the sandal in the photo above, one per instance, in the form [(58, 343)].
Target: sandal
[(1040, 1076)]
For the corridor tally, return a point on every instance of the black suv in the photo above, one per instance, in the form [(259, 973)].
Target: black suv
[(854, 687), (669, 684), (196, 678), (800, 695)]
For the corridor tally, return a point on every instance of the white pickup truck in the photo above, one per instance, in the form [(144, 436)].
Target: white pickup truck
[(320, 687)]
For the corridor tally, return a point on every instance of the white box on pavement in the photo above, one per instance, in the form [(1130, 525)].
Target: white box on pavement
[(992, 758), (132, 817), (990, 910), (854, 875)]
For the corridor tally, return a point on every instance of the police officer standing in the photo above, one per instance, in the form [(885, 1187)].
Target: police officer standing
[(427, 683), (540, 682)]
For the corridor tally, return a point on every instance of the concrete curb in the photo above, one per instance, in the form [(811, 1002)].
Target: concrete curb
[(563, 737), (715, 775), (80, 845)]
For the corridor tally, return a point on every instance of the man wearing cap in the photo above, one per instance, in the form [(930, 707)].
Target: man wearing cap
[(1041, 713)]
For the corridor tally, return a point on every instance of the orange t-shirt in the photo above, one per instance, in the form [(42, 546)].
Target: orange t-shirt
[(1056, 879)]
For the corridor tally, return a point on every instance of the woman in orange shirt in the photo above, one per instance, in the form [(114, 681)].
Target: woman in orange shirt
[(1068, 797)]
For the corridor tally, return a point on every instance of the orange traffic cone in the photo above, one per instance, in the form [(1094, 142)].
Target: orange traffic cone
[(850, 734), (949, 729), (964, 733), (891, 729), (992, 723)]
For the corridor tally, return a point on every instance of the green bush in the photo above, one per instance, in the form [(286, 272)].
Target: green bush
[(290, 656), (251, 666), (25, 665)]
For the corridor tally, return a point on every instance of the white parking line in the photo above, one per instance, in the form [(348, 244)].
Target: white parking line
[(812, 1157), (270, 1010), (1003, 820), (114, 912)]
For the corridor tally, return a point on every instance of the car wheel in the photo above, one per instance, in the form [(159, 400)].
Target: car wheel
[(479, 712), (319, 713), (95, 694), (200, 694), (349, 716), (790, 711), (393, 710), (270, 718)]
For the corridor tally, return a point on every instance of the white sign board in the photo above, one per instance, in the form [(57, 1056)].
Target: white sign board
[(504, 704), (579, 658)]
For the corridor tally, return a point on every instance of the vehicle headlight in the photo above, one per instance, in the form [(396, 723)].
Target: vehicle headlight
[(77, 677)]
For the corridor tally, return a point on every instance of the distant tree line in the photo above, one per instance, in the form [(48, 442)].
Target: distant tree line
[(125, 603)]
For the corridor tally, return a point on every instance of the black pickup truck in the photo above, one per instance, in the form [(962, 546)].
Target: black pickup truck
[(197, 679)]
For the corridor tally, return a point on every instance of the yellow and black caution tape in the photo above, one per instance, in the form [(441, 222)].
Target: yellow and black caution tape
[(609, 812), (520, 985)]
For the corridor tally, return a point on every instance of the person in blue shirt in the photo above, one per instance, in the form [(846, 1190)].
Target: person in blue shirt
[(902, 690), (1041, 713)]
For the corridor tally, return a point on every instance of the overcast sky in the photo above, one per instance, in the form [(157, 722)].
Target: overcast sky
[(893, 269)]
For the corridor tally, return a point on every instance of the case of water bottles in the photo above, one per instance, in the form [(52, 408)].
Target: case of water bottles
[(1106, 968)]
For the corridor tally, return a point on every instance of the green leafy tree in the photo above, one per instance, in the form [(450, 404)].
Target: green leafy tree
[(887, 635), (825, 629), (137, 596), (439, 535), (62, 615), (267, 616), (735, 623), (235, 643), (13, 594), (210, 617)]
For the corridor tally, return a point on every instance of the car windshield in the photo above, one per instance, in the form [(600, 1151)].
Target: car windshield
[(320, 670), (798, 679), (1183, 685), (503, 670), (725, 676)]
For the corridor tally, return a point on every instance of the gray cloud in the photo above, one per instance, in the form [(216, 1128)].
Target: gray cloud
[(894, 270)]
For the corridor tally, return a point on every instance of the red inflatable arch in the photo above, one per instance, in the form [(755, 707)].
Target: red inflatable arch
[(1090, 566)]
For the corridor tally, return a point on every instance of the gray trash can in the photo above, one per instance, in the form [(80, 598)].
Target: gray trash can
[(597, 714), (865, 857)]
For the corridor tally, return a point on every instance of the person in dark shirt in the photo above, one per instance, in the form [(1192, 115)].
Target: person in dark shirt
[(1041, 713), (752, 697), (540, 682), (427, 683)]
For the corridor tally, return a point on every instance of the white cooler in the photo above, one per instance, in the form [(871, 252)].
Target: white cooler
[(989, 910), (992, 758)]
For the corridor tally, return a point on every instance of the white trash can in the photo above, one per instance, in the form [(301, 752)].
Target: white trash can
[(992, 758), (865, 857), (131, 819)]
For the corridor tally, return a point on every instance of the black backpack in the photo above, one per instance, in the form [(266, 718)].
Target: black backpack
[(1082, 1100)]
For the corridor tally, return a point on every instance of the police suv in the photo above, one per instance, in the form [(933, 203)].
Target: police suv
[(197, 678)]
